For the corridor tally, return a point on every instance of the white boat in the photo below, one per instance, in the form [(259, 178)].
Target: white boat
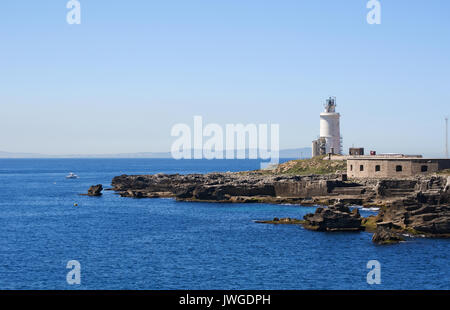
[(72, 176)]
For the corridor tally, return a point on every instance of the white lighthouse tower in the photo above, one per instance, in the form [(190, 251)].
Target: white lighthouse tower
[(330, 133)]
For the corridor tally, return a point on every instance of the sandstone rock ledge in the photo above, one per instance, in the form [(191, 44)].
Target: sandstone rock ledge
[(334, 218), (248, 187)]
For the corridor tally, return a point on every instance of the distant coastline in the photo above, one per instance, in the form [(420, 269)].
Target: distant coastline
[(298, 153), (286, 153)]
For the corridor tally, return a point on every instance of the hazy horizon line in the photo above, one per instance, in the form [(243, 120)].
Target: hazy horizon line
[(144, 154)]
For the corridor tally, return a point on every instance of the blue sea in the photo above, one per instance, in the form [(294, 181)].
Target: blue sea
[(124, 243)]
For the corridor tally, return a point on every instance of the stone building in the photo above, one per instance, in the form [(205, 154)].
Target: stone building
[(356, 151), (393, 166)]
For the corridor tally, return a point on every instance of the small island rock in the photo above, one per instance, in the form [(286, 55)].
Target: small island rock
[(333, 218), (95, 190)]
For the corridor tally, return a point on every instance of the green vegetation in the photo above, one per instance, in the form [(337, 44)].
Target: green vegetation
[(369, 223), (316, 165)]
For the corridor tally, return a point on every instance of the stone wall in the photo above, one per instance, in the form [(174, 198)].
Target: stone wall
[(389, 168)]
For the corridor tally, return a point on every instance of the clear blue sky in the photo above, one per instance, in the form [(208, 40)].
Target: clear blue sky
[(132, 69)]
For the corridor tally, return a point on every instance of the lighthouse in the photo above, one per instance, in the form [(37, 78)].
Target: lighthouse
[(329, 141)]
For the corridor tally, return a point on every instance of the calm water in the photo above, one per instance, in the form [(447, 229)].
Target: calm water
[(125, 243)]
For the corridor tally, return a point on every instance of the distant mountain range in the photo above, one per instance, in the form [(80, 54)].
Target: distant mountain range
[(287, 153)]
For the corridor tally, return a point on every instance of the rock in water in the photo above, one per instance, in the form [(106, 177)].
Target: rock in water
[(426, 214), (95, 190), (334, 218), (386, 236)]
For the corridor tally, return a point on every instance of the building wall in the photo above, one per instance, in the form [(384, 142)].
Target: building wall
[(432, 167), (444, 164), (388, 167)]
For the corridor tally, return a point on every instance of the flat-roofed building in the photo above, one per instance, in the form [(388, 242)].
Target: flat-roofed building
[(393, 166)]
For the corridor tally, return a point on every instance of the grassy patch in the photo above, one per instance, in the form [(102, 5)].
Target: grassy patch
[(369, 223), (316, 165)]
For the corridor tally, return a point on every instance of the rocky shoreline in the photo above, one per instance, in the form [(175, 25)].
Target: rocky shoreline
[(413, 206)]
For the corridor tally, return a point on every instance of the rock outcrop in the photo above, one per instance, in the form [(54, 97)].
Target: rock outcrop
[(272, 188), (95, 190), (424, 214), (384, 236), (334, 218), (242, 188)]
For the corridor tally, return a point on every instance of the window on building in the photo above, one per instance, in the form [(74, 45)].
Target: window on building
[(424, 168), (399, 168), (351, 167), (361, 168), (377, 168)]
